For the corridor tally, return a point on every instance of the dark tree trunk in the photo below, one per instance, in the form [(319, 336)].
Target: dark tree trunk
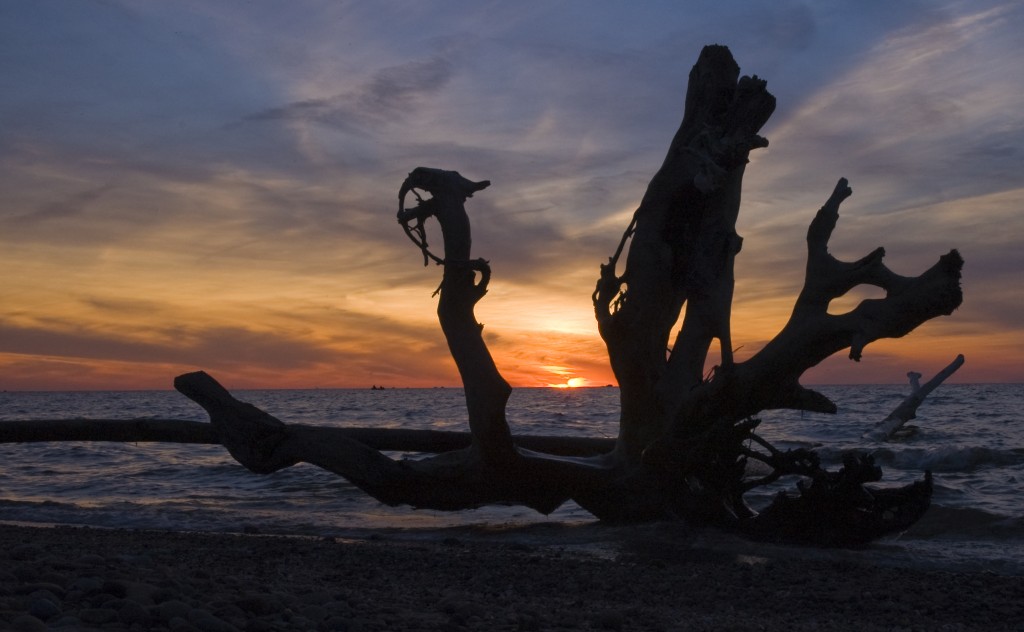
[(684, 439)]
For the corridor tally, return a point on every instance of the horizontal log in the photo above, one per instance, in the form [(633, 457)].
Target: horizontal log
[(183, 431), (122, 430)]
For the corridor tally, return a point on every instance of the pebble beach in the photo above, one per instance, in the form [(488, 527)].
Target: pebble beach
[(71, 578)]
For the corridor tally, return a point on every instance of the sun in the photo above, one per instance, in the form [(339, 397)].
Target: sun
[(573, 382)]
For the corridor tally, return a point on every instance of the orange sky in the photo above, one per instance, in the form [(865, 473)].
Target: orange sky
[(189, 186)]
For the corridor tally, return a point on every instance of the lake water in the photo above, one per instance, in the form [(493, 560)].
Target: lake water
[(970, 436)]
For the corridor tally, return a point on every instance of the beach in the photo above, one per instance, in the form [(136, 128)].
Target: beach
[(77, 578)]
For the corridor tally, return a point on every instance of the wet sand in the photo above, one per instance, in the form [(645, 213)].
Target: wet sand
[(90, 579)]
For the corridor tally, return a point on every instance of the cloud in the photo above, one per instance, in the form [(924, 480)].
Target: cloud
[(235, 167), (390, 94), (915, 122), (70, 206), (353, 349), (221, 346)]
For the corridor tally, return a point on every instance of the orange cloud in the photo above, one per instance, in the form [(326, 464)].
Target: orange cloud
[(239, 217)]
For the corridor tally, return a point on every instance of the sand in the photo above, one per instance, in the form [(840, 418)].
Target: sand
[(88, 579)]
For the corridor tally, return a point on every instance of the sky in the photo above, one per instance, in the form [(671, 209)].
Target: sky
[(213, 185)]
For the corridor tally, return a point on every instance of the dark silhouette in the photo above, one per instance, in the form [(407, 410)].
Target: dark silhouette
[(685, 439)]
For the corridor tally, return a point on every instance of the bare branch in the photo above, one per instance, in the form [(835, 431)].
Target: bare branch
[(812, 334), (486, 390)]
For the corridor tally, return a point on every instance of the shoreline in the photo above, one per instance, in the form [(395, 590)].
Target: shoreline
[(80, 578)]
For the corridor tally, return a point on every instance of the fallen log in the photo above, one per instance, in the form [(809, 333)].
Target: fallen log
[(201, 432), (907, 409)]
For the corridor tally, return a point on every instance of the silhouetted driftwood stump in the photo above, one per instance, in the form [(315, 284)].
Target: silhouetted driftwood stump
[(684, 439)]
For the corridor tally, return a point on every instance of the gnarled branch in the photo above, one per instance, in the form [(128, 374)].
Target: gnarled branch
[(812, 334)]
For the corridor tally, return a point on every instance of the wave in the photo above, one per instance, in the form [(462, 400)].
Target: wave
[(967, 523), (939, 459), (957, 459), (18, 504)]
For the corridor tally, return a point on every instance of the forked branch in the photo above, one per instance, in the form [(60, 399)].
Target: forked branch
[(812, 334)]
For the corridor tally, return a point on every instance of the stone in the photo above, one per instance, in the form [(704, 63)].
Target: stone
[(172, 609), (25, 552), (131, 612), (27, 623), (207, 622), (98, 616), (43, 608), (86, 585)]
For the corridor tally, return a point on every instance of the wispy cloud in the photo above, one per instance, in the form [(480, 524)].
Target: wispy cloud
[(70, 206), (235, 167), (389, 95)]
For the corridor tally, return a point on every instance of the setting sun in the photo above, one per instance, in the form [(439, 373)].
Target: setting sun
[(573, 382)]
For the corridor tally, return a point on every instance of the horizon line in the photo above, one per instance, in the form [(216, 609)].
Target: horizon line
[(444, 387)]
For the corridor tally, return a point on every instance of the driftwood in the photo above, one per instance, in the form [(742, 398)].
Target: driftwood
[(907, 409), (198, 432), (685, 438)]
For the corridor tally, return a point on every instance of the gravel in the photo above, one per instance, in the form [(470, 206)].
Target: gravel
[(66, 578)]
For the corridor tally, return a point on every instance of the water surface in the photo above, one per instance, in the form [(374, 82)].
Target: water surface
[(970, 436)]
